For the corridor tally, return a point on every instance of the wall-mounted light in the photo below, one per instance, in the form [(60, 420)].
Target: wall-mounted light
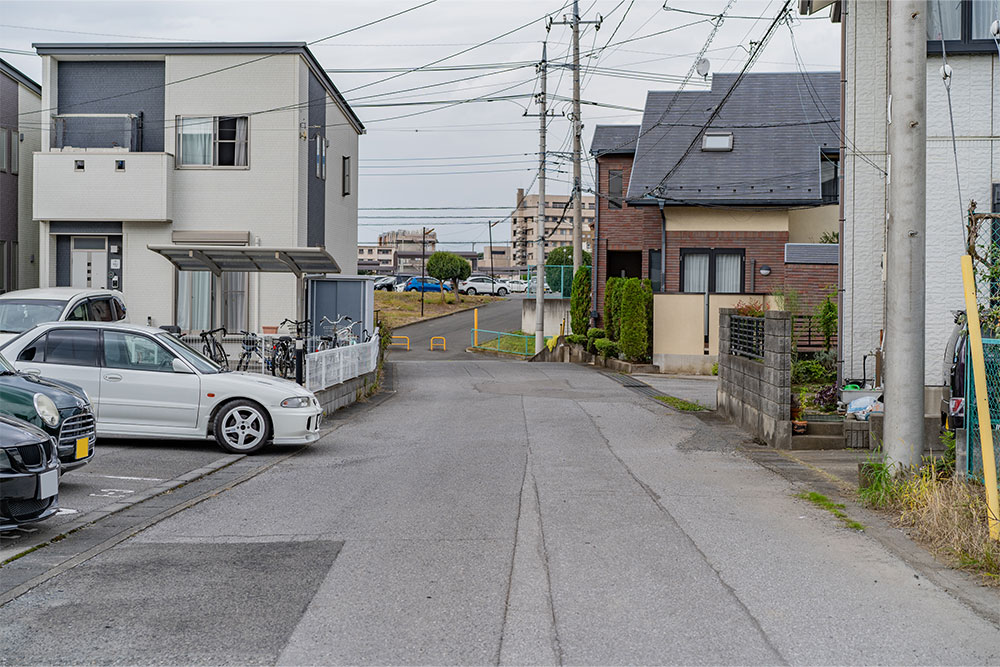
[(765, 270)]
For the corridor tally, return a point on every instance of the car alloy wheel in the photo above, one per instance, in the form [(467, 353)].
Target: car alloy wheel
[(241, 427), (471, 291), (501, 292)]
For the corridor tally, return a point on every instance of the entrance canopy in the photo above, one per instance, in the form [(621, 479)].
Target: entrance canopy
[(248, 259)]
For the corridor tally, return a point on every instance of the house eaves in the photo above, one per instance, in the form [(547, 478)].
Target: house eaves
[(20, 77), (207, 48)]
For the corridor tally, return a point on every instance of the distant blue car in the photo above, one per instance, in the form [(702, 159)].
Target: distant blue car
[(424, 285)]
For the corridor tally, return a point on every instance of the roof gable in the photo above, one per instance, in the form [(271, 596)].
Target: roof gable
[(613, 139), (20, 77), (779, 121)]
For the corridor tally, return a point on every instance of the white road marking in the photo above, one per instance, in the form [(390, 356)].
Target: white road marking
[(134, 479), (66, 510), (112, 493)]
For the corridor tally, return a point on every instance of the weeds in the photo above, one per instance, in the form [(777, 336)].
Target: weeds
[(680, 404), (836, 509)]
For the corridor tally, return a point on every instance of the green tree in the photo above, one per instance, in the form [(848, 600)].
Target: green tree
[(579, 304), (826, 320), (444, 266), (611, 290), (632, 320), (647, 294)]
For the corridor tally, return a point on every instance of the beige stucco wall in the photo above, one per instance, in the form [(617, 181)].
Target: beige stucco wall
[(693, 219), (675, 317), (805, 225)]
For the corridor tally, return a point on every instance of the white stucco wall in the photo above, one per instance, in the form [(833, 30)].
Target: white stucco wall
[(977, 128)]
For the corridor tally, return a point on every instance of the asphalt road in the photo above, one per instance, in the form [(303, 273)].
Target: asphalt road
[(497, 316), (494, 512)]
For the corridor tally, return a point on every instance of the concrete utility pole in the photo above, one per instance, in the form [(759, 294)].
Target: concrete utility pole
[(905, 253), (574, 22), (540, 214)]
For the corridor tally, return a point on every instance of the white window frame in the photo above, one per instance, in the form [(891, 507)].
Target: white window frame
[(717, 142), (345, 178), (179, 157)]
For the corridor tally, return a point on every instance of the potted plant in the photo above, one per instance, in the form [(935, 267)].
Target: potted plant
[(798, 426)]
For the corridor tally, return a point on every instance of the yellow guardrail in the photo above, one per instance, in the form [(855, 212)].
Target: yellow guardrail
[(401, 342), (443, 343)]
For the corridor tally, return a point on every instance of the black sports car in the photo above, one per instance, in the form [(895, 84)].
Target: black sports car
[(29, 474)]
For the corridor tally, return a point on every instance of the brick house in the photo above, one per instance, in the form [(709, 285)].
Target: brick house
[(720, 196)]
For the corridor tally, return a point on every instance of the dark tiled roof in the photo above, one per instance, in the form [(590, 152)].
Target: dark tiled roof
[(812, 253), (19, 76), (779, 121), (609, 139)]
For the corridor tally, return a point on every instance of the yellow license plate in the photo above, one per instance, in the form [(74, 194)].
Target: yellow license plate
[(82, 447)]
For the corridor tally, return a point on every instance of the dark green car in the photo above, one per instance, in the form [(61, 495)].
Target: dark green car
[(60, 409)]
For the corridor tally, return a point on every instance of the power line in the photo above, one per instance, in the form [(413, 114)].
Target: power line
[(432, 208)]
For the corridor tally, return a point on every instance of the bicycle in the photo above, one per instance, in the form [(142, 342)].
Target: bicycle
[(252, 345), (283, 352), (212, 347), (332, 336)]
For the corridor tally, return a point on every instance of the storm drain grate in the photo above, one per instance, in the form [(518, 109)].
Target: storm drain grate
[(632, 383)]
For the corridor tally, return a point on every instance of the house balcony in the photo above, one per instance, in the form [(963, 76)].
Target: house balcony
[(102, 184)]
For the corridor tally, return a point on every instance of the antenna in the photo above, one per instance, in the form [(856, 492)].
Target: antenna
[(703, 67)]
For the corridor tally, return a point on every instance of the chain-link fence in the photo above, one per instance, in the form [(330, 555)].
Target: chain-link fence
[(558, 280), (983, 246)]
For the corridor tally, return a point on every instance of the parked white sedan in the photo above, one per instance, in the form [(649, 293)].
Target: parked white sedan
[(144, 382), (483, 285)]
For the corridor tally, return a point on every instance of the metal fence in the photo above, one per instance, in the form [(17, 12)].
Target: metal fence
[(502, 341), (558, 279), (991, 355), (327, 368), (746, 336)]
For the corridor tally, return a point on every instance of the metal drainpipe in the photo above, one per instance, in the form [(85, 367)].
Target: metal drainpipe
[(595, 251), (663, 249), (840, 198)]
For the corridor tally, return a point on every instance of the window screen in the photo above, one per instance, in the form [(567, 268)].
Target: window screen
[(695, 272)]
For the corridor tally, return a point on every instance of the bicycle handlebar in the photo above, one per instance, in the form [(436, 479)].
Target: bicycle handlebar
[(212, 332)]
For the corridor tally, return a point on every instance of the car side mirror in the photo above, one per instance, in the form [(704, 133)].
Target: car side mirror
[(180, 367)]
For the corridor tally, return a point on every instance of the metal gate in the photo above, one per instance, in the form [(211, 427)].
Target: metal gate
[(991, 355)]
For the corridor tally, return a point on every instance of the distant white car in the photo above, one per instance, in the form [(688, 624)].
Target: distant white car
[(517, 285), (144, 382), (20, 310), (484, 285)]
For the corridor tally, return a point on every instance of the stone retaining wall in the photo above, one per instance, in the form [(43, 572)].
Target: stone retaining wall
[(756, 394), (340, 395)]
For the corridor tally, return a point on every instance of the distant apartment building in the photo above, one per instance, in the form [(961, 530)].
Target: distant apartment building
[(20, 102), (408, 247), (523, 230), (202, 179), (376, 259), (497, 259)]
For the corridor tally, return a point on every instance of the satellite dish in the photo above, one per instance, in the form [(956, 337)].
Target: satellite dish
[(703, 67)]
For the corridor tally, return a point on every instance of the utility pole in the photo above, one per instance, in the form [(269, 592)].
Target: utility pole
[(574, 22), (493, 274), (905, 234), (540, 214), (423, 264)]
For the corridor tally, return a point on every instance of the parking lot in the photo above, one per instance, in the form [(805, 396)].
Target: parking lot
[(122, 472)]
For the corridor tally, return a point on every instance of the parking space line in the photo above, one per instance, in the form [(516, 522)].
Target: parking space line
[(134, 479)]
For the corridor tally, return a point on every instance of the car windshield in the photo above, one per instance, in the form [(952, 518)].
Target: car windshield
[(189, 354), (5, 366), (17, 315)]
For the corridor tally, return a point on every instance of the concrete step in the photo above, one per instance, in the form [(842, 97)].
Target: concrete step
[(825, 428), (817, 442)]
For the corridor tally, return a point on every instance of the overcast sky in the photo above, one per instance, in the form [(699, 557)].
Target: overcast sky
[(474, 154)]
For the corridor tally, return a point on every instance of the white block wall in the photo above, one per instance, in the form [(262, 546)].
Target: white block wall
[(27, 230), (977, 128)]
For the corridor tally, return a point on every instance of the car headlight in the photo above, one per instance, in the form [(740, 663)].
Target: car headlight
[(5, 461), (296, 402), (46, 409)]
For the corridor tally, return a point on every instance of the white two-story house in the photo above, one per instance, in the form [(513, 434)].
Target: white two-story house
[(202, 152)]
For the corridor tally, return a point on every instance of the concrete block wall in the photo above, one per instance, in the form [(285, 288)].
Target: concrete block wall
[(756, 395)]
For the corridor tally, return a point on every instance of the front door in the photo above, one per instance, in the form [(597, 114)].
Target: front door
[(89, 262), (139, 388)]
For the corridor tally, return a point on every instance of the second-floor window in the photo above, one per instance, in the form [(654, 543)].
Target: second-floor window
[(346, 180), (213, 141), (615, 188), (963, 24), (321, 144)]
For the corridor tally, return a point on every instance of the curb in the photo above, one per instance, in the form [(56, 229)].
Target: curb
[(498, 353)]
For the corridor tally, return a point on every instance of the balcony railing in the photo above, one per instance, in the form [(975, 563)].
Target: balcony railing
[(97, 130)]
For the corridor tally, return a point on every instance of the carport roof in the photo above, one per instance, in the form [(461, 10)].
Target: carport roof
[(249, 259)]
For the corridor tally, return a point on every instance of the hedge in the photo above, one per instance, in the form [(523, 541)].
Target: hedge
[(611, 305), (579, 303), (647, 291), (577, 339), (593, 334), (632, 335), (607, 348)]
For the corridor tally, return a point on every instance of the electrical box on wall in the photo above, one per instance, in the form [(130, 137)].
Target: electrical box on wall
[(114, 250)]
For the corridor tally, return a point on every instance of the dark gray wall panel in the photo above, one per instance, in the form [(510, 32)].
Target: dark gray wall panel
[(8, 182), (113, 87), (62, 261), (316, 203), (62, 227)]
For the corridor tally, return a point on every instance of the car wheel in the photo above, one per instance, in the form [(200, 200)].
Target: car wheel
[(501, 292), (471, 291), (241, 427)]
